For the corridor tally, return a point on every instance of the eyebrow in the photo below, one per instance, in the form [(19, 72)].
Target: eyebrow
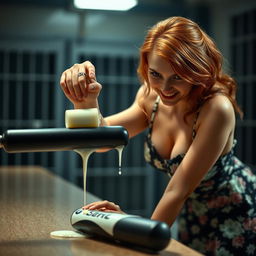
[(151, 69)]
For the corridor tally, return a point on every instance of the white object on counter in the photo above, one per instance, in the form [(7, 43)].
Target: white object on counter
[(81, 118)]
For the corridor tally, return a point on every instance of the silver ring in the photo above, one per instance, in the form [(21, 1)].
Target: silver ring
[(81, 74)]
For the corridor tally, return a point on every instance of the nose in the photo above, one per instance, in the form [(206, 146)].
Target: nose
[(167, 86)]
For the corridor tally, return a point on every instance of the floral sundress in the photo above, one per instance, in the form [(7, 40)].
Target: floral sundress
[(219, 217)]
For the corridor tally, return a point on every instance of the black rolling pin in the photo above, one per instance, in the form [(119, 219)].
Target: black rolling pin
[(131, 230), (62, 139)]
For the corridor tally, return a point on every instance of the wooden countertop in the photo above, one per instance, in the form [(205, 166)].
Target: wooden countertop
[(34, 202)]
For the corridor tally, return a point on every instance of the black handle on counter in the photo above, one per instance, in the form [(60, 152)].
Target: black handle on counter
[(131, 230), (62, 139)]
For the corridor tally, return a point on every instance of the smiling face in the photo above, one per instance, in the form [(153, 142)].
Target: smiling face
[(165, 82)]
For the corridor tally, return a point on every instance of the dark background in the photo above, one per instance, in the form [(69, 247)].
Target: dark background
[(40, 39)]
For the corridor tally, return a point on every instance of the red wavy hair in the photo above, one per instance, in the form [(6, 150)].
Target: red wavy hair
[(193, 56)]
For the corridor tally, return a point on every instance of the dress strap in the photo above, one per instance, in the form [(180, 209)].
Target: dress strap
[(155, 107)]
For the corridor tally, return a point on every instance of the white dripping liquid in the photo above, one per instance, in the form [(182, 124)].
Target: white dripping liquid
[(120, 152), (85, 153)]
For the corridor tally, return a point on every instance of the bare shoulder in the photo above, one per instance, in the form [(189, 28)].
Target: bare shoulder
[(146, 101), (218, 108)]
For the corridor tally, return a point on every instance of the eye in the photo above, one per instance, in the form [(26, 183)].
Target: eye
[(154, 74), (176, 77)]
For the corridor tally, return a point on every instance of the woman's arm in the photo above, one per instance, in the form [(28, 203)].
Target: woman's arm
[(83, 92), (216, 124), (134, 118)]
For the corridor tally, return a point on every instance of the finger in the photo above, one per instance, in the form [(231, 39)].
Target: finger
[(111, 206), (90, 69), (75, 82), (94, 87), (101, 204), (102, 209), (63, 83), (82, 81), (62, 80), (97, 205), (64, 86), (69, 83), (87, 206)]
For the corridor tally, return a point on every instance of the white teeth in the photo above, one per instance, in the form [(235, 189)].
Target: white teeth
[(169, 95)]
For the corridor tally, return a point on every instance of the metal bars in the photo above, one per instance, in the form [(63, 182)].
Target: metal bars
[(28, 78), (243, 54), (31, 98)]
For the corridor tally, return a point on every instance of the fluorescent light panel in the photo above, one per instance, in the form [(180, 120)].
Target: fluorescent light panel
[(113, 5)]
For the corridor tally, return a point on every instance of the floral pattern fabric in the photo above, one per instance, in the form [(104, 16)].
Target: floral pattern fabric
[(219, 217)]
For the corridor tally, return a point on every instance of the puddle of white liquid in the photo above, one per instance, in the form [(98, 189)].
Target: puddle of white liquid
[(85, 154)]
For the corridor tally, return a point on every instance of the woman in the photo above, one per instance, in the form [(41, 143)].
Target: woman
[(189, 106)]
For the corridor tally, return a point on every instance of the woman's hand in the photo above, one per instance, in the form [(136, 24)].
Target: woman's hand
[(104, 206), (80, 86)]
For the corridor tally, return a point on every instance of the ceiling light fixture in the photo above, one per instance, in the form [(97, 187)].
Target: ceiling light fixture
[(111, 5)]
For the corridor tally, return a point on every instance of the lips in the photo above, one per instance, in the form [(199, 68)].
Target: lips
[(169, 95)]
